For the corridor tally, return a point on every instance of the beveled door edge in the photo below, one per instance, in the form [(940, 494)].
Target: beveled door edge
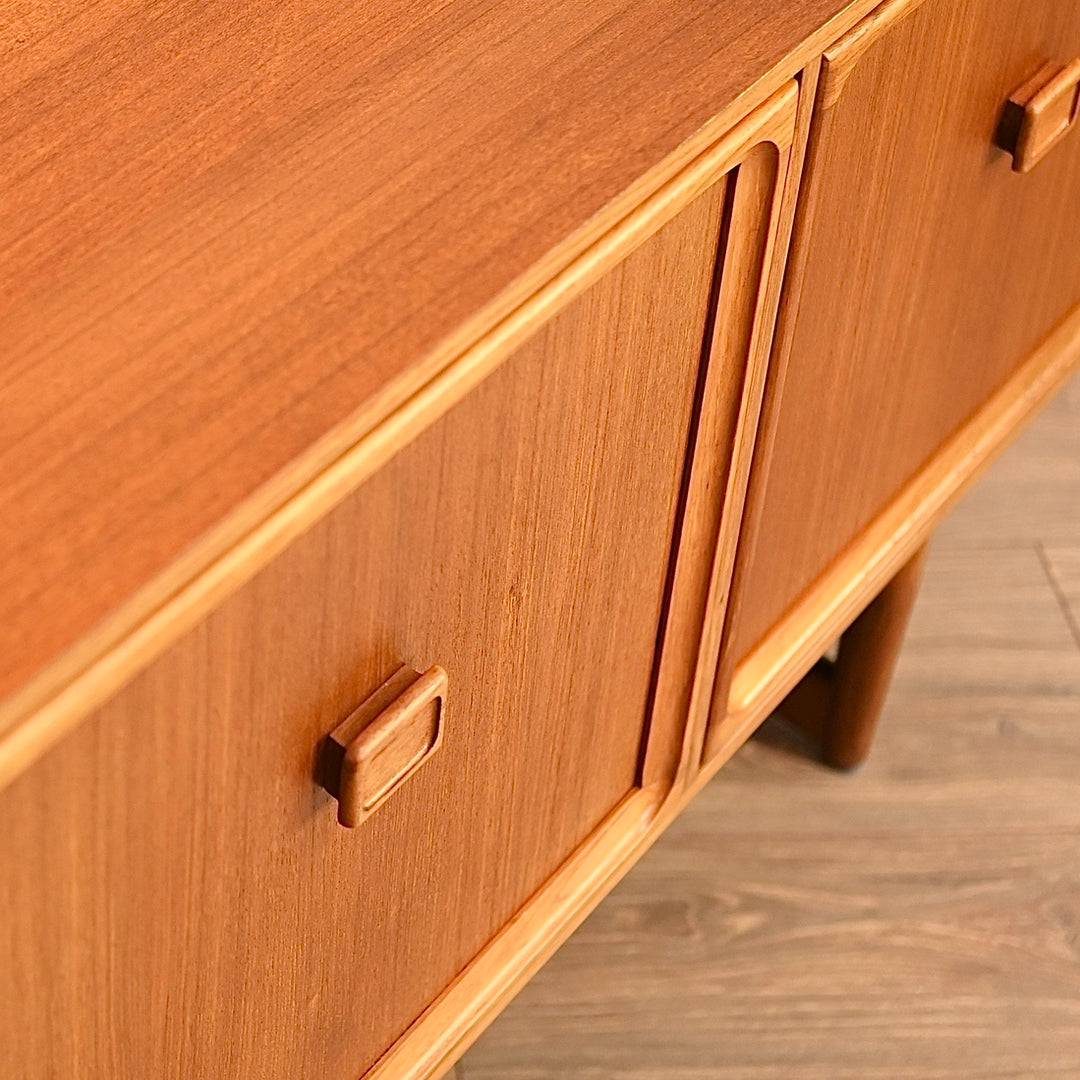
[(749, 272), (453, 1022)]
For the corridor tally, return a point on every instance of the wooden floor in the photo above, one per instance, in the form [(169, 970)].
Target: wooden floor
[(917, 919)]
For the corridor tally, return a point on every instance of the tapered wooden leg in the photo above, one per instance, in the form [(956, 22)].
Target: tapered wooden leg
[(839, 702)]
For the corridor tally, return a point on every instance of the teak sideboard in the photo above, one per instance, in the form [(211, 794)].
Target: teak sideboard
[(432, 439)]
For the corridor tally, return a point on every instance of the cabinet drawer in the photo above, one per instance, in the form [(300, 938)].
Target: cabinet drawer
[(184, 900), (925, 271)]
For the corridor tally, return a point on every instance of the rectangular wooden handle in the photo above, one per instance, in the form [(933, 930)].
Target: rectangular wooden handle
[(1039, 114), (383, 742)]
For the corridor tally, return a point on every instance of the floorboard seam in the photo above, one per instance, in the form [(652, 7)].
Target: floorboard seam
[(1059, 592)]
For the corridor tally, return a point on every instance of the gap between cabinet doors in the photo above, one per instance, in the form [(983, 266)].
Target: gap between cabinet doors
[(523, 544), (749, 272), (762, 160)]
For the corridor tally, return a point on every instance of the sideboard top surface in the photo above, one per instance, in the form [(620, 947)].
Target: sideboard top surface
[(226, 228)]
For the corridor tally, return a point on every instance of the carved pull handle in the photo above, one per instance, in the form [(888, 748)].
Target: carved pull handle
[(383, 742), (1039, 114)]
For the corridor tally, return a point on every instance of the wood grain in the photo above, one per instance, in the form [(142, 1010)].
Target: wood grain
[(763, 679), (62, 694), (233, 240), (453, 1022), (202, 886), (914, 921), (744, 697), (925, 272)]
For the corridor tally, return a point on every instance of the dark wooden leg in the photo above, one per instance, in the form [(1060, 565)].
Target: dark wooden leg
[(839, 702)]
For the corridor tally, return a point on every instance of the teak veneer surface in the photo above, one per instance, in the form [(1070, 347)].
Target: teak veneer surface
[(226, 231), (924, 273), (207, 915)]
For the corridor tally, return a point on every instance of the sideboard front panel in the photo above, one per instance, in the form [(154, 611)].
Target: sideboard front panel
[(188, 905), (924, 272)]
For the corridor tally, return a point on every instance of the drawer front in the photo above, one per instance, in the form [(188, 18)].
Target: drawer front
[(925, 271), (183, 899)]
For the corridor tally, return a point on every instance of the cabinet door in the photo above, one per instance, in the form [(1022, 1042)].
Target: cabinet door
[(180, 898), (924, 272)]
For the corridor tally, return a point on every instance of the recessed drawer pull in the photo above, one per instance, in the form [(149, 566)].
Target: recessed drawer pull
[(383, 742), (1039, 114)]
